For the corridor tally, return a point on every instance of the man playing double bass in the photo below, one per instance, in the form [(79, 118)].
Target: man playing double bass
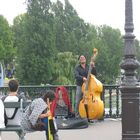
[(81, 73)]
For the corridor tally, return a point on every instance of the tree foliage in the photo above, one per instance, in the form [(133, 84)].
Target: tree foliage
[(39, 47), (110, 53), (69, 27), (7, 51), (51, 35), (64, 68)]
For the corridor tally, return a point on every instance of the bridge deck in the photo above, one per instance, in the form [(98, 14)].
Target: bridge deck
[(109, 129)]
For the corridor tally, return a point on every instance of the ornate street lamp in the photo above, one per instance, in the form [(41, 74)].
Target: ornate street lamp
[(130, 88)]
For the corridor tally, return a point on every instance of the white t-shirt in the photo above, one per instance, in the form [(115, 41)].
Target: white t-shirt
[(10, 111), (2, 124)]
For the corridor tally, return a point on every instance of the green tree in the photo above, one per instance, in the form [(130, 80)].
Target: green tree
[(64, 65), (89, 42), (7, 51), (69, 27), (19, 31), (110, 47), (50, 29), (36, 56)]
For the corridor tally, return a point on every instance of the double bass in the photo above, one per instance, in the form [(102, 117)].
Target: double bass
[(91, 106)]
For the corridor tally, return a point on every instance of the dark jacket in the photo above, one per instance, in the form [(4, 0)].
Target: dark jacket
[(80, 72)]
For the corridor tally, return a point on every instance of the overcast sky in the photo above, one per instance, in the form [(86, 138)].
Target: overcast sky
[(97, 12)]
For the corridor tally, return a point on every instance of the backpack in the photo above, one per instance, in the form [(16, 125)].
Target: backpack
[(15, 111), (61, 105)]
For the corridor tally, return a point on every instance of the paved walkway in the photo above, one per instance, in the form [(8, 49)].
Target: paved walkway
[(109, 129)]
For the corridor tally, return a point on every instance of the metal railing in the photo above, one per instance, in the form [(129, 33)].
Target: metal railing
[(111, 96)]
